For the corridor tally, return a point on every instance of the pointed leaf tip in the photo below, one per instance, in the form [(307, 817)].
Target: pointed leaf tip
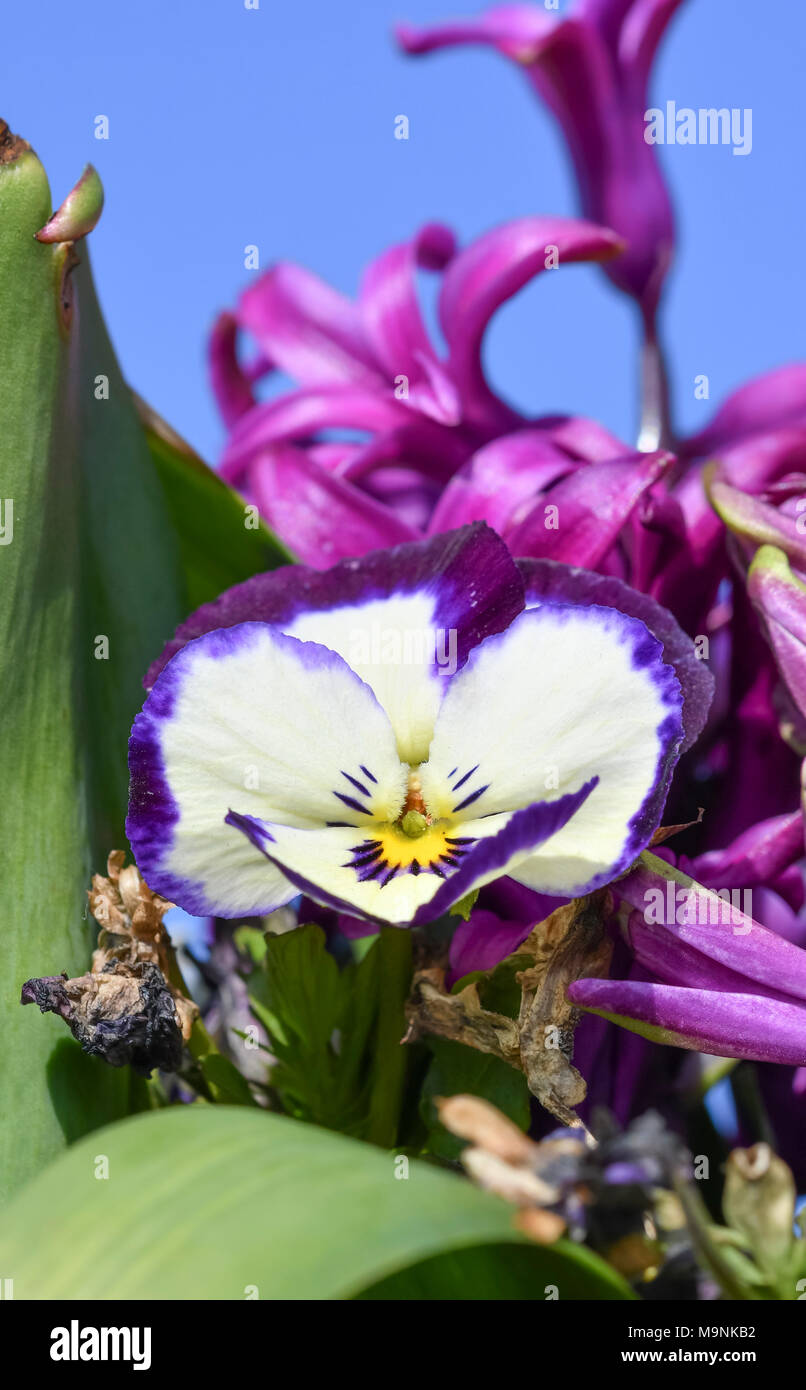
[(79, 212)]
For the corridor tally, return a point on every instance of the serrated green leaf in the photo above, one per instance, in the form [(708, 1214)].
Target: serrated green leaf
[(212, 1202)]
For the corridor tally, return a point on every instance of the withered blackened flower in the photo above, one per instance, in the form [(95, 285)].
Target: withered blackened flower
[(127, 1008)]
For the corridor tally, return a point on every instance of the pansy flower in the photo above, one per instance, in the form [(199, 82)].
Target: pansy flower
[(391, 734)]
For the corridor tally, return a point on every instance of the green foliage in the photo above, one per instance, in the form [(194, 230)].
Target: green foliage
[(89, 588), (213, 1202), (335, 1033), (221, 543), (459, 1070), (116, 532)]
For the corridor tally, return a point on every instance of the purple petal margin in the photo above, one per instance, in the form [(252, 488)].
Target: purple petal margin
[(552, 582), (469, 571)]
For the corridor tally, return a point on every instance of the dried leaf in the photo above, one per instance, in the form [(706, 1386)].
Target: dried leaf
[(567, 946)]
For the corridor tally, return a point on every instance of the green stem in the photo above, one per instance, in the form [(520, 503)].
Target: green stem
[(391, 1058)]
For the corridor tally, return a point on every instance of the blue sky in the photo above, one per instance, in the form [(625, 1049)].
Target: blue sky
[(275, 127)]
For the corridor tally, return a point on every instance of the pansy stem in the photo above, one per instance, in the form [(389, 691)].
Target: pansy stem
[(391, 1059)]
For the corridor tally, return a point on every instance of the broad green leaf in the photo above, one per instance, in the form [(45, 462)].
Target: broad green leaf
[(212, 1202), (221, 540), (90, 588), (504, 1273)]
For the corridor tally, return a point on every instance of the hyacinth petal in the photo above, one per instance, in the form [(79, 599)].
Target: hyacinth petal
[(492, 269), (316, 861), (336, 521), (780, 599), (300, 414), (306, 328), (405, 618), (591, 70), (581, 518), (758, 856), (547, 581), (756, 521), (582, 438), (485, 938), (676, 962), (499, 479), (722, 1024), (231, 385), (248, 714), (699, 918), (644, 25), (393, 323), (513, 29), (766, 403), (541, 706)]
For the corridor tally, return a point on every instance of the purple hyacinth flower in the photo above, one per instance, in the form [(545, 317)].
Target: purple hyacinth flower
[(369, 367), (592, 70), (718, 981), (389, 735)]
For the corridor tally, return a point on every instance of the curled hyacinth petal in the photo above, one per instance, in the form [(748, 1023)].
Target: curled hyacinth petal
[(756, 522), (337, 521), (231, 386), (490, 271), (390, 313), (503, 476), (306, 328), (591, 68)]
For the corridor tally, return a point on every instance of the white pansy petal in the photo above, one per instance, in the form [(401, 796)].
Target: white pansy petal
[(404, 619), (566, 693), (283, 729), (395, 646), (383, 876)]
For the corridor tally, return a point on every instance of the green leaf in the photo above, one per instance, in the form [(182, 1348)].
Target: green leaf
[(251, 942), (227, 1085), (221, 540), (91, 560), (212, 1202), (459, 1070), (337, 1034), (465, 905), (299, 991), (508, 1273)]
